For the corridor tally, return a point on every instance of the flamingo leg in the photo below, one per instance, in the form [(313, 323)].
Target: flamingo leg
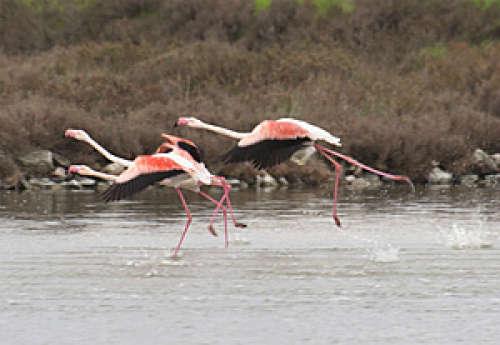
[(338, 174), (227, 190), (218, 204), (189, 219), (365, 167), (226, 233), (224, 214)]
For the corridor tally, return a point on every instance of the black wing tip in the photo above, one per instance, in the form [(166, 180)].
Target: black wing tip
[(194, 151), (266, 153), (112, 193), (119, 191)]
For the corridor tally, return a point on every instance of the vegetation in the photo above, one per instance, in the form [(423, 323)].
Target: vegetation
[(401, 82)]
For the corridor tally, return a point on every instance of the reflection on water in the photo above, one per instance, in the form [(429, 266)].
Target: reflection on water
[(77, 271)]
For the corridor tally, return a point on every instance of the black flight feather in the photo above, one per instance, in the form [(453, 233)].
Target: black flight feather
[(266, 153), (192, 150), (118, 191)]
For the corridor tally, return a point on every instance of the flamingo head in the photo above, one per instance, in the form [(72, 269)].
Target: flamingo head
[(77, 134), (166, 147), (79, 169), (173, 140), (187, 122)]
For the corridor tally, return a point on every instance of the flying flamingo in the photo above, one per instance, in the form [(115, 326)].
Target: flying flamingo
[(274, 141), (170, 165), (182, 143)]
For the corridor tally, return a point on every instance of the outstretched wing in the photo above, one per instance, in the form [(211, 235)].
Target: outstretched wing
[(123, 190), (266, 153)]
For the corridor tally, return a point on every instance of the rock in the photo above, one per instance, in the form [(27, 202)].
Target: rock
[(38, 163), (59, 172), (483, 163), (17, 182), (492, 179), (42, 182), (86, 182), (368, 181), (10, 174), (360, 183), (496, 158), (233, 181), (103, 185), (283, 181), (439, 176), (243, 185), (22, 184), (357, 171), (469, 180), (349, 179), (265, 179), (113, 169), (374, 180), (72, 184), (61, 160)]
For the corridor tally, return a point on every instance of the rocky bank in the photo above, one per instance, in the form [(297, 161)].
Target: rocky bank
[(43, 169)]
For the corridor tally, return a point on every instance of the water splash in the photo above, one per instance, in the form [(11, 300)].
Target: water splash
[(239, 240), (467, 236), (385, 254)]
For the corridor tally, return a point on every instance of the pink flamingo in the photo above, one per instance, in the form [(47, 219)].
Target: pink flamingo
[(171, 166), (274, 141)]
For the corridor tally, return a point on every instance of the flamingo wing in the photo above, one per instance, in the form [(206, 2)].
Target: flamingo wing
[(119, 191), (145, 171), (192, 149), (266, 153), (184, 144), (164, 148), (270, 143)]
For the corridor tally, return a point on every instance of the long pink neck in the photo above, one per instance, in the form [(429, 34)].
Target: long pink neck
[(107, 154), (220, 130)]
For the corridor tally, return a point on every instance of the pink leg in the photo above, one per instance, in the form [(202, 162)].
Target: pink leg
[(338, 173), (189, 219), (364, 166), (227, 190), (226, 234), (217, 203)]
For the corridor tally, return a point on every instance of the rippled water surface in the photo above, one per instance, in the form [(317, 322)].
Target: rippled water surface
[(405, 269)]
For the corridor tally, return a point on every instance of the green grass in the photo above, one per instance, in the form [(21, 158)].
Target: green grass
[(56, 5), (262, 5), (486, 4), (322, 6), (437, 51), (325, 6)]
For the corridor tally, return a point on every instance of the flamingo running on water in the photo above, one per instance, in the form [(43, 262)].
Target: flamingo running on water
[(171, 165), (272, 142)]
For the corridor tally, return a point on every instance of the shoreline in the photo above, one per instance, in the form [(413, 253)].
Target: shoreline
[(45, 169), (243, 178)]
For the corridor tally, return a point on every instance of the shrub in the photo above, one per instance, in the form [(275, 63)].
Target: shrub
[(401, 82)]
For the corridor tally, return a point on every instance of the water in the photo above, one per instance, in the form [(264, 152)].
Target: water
[(404, 269)]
